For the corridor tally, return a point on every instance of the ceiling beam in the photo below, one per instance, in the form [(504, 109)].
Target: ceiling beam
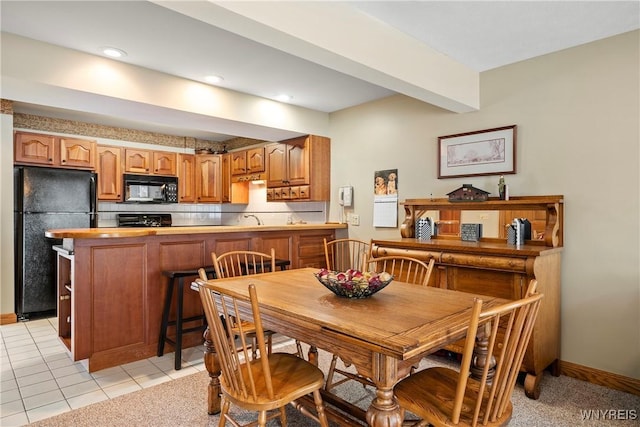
[(344, 39)]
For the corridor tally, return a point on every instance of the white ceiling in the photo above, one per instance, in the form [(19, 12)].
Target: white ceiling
[(481, 35)]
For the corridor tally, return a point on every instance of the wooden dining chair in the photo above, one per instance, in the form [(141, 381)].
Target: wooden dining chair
[(445, 397), (343, 254), (235, 263), (264, 384), (403, 269)]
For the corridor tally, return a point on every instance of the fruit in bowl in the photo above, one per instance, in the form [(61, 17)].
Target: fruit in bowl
[(353, 283)]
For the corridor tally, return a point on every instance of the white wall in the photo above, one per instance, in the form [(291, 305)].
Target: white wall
[(577, 113), (6, 215)]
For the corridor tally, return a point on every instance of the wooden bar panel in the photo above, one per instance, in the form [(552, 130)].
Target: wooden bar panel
[(119, 293)]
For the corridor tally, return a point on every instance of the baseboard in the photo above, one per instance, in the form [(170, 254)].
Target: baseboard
[(8, 318), (603, 378)]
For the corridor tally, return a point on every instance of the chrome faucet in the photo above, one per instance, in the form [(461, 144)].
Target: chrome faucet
[(254, 216)]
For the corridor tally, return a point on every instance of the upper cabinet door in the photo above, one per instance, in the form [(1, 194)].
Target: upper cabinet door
[(255, 160), (77, 153), (109, 173), (186, 178), (35, 149), (208, 178), (276, 164), (164, 163), (136, 161), (239, 163), (297, 163)]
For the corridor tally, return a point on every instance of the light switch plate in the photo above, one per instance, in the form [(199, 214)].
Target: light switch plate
[(355, 219)]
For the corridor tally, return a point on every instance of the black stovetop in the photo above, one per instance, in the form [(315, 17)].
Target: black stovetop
[(143, 220)]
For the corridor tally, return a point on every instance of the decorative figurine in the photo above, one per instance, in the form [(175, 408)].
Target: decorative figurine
[(502, 187)]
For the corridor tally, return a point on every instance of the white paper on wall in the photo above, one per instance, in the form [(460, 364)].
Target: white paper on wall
[(385, 211)]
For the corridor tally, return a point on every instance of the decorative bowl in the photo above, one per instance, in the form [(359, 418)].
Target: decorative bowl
[(353, 283)]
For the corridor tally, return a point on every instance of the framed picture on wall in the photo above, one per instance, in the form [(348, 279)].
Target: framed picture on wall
[(483, 152)]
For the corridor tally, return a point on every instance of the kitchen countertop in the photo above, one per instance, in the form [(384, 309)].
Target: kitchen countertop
[(115, 232)]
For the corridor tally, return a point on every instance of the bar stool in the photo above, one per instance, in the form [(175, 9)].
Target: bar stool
[(173, 276)]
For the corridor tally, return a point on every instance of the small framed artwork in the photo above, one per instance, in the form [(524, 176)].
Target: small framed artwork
[(483, 152)]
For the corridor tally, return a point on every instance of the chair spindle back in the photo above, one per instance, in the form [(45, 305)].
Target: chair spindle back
[(220, 303), (403, 269), (508, 329), (242, 263), (343, 254)]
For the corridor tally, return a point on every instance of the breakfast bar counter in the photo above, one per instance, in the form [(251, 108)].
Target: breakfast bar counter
[(111, 285), (116, 232)]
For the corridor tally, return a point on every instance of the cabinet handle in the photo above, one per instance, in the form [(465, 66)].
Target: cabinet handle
[(63, 161)]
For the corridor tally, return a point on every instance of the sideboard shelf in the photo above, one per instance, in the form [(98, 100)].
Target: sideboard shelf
[(552, 205)]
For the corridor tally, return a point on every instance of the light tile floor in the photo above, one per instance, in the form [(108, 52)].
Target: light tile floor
[(39, 379)]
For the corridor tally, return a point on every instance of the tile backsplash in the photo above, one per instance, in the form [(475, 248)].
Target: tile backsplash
[(274, 213)]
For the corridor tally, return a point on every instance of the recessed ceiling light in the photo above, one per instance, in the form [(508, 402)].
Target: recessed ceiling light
[(113, 52), (213, 79), (284, 98)]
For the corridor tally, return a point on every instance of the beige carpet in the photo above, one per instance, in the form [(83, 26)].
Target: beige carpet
[(182, 402)]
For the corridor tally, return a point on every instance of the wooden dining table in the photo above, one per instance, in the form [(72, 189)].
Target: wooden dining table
[(383, 336)]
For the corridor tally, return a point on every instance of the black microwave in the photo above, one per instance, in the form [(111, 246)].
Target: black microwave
[(150, 189)]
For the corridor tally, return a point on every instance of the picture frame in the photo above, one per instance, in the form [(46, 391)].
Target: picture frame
[(483, 152)]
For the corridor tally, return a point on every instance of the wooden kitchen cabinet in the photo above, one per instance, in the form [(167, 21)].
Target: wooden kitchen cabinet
[(137, 161), (302, 164), (164, 163), (233, 191), (247, 161), (77, 153), (54, 151), (186, 178), (109, 169), (64, 284), (150, 162), (310, 249), (238, 163), (255, 160), (208, 178), (493, 267), (282, 243), (225, 171), (108, 334)]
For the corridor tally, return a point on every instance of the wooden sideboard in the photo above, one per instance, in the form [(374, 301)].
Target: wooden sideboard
[(493, 267)]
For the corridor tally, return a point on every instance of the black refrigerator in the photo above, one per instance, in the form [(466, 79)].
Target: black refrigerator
[(45, 199)]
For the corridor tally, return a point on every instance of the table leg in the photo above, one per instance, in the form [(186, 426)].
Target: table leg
[(213, 368), (384, 410), (480, 352), (312, 355)]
